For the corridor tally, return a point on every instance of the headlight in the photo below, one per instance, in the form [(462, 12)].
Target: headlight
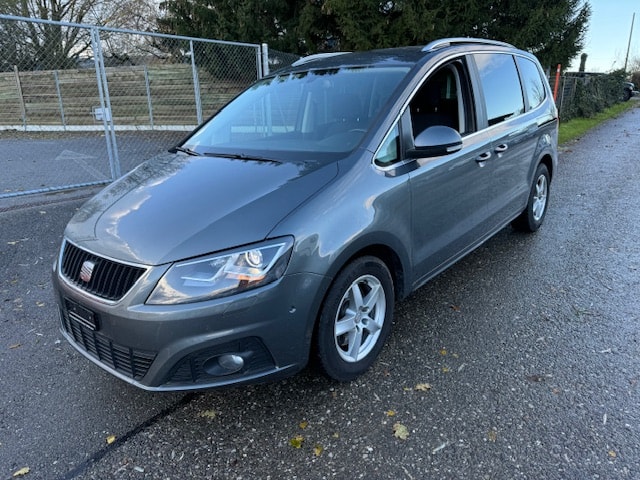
[(223, 274)]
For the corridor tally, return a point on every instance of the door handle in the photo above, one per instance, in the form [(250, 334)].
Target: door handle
[(501, 148), (483, 157)]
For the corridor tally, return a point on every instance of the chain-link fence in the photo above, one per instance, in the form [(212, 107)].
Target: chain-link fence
[(80, 105), (585, 94)]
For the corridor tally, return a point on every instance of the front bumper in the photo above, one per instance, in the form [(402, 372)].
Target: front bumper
[(255, 336)]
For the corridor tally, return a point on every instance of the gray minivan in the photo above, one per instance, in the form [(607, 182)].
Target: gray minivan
[(285, 227)]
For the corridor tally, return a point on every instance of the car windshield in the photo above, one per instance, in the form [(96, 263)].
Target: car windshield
[(318, 111)]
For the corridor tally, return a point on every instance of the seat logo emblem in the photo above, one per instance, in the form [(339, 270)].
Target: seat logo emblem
[(87, 270)]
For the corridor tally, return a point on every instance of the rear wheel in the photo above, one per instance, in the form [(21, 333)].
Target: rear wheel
[(355, 319), (533, 215)]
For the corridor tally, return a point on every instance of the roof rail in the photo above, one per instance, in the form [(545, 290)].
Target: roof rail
[(447, 42), (316, 56)]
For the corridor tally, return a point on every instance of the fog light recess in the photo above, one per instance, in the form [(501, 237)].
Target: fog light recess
[(226, 364)]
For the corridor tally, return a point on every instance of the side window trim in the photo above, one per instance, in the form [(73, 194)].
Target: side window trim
[(380, 159), (479, 100), (525, 95), (467, 102), (523, 82), (405, 141)]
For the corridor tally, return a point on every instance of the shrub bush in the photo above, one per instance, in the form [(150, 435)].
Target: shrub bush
[(591, 94)]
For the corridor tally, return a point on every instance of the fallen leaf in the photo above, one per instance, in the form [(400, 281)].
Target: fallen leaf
[(492, 436), (400, 431), (390, 413), (23, 471), (210, 414), (612, 454), (111, 439), (446, 369), (303, 425), (317, 450), (423, 387), (296, 442), (443, 351)]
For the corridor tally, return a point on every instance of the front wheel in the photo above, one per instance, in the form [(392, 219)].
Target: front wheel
[(533, 215), (355, 319)]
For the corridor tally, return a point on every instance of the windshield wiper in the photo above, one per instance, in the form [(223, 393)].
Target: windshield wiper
[(188, 151), (241, 156)]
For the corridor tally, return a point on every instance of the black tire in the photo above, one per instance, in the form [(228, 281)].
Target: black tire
[(533, 215), (355, 319)]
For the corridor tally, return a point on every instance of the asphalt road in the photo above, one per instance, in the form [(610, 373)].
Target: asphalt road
[(520, 362), (41, 161)]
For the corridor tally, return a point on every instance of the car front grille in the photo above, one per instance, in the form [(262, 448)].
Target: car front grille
[(128, 361), (106, 279)]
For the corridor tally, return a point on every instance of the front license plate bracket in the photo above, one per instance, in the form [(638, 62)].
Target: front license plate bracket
[(81, 314)]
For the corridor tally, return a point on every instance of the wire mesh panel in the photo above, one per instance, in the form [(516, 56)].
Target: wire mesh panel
[(41, 85), (83, 113)]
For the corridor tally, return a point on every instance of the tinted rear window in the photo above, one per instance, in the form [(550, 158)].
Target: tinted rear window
[(531, 81), (501, 86)]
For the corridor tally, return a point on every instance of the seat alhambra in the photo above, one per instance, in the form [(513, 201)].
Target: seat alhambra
[(285, 227)]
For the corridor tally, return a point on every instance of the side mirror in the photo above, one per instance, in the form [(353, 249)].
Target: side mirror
[(436, 141)]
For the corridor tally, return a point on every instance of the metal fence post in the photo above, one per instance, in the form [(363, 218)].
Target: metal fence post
[(60, 103), (105, 104), (265, 60), (148, 88), (21, 97), (562, 92), (196, 83)]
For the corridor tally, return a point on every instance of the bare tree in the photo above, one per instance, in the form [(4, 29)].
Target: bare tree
[(36, 46)]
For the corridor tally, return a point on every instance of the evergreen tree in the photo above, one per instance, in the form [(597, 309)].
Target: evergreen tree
[(552, 29)]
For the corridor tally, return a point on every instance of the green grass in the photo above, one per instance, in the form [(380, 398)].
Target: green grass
[(577, 127)]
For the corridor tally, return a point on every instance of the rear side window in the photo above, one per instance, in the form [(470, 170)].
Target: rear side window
[(531, 82), (501, 86)]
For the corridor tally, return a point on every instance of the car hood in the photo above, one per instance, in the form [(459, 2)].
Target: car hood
[(177, 206)]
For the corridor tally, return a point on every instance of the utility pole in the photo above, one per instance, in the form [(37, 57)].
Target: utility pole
[(629, 44)]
